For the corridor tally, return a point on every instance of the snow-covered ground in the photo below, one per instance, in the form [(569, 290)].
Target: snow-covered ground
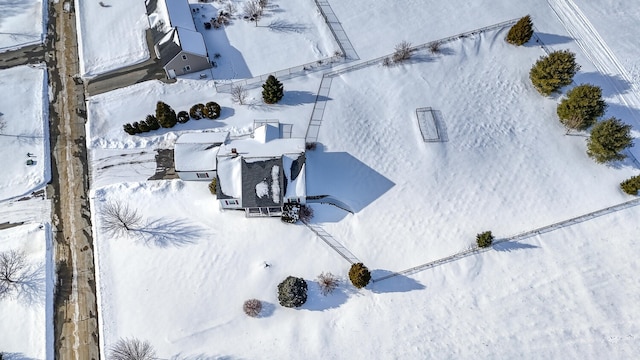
[(22, 22), (112, 36), (506, 165), (24, 111), (26, 318)]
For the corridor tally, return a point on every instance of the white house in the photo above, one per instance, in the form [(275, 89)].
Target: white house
[(262, 173), (195, 155)]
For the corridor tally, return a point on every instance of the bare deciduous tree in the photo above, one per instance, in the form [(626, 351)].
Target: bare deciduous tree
[(252, 10), (402, 52), (132, 349), (252, 307), (119, 218), (230, 8), (434, 47), (328, 283), (238, 94), (3, 123), (13, 270), (574, 122)]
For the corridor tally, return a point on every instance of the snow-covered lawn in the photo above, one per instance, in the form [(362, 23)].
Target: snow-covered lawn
[(21, 23), (24, 111), (109, 111), (290, 33), (26, 318), (111, 37)]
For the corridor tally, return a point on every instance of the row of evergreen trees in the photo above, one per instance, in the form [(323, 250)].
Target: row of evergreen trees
[(583, 105), (166, 117)]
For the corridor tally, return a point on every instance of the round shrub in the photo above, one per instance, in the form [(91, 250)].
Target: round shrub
[(252, 307), (212, 110), (197, 111), (183, 117), (359, 275), (292, 292), (484, 239)]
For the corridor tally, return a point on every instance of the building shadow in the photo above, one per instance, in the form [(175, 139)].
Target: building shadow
[(344, 177)]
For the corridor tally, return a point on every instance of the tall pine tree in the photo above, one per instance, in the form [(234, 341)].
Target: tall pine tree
[(521, 32), (582, 107), (166, 115), (272, 90), (608, 138), (552, 72)]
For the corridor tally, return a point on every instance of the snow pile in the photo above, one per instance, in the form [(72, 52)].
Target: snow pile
[(23, 110)]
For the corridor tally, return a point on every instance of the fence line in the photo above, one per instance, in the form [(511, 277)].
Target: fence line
[(313, 129), (336, 29), (518, 237), (333, 243)]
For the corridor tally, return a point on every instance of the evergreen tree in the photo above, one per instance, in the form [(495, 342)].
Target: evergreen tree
[(359, 275), (582, 107), (136, 127), (128, 128), (554, 71), (292, 292), (272, 90), (521, 32), (142, 125), (165, 115), (608, 138), (631, 185), (484, 239)]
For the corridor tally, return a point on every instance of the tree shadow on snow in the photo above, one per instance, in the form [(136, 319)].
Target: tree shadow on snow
[(283, 26), (508, 246), (398, 283), (318, 302), (164, 233), (267, 309), (301, 97), (548, 39), (611, 85)]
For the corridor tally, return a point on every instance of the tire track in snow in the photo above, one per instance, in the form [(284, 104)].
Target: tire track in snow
[(598, 52)]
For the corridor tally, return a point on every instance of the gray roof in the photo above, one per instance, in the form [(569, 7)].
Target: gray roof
[(169, 48), (256, 172)]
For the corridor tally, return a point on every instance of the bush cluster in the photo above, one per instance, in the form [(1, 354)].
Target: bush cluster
[(484, 239), (292, 292), (166, 117), (359, 275), (631, 185)]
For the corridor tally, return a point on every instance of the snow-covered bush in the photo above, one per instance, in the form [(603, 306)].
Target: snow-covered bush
[(402, 52), (212, 110), (183, 117), (290, 213), (197, 111), (359, 275), (292, 292), (252, 307), (152, 122), (132, 349)]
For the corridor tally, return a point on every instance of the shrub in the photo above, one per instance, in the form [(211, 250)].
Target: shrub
[(197, 111), (631, 185), (165, 115), (386, 62), (310, 146), (142, 125), (183, 117), (272, 90), (402, 52), (305, 213), (359, 275), (328, 283), (152, 122), (292, 292), (290, 213), (212, 186), (608, 138), (136, 127), (484, 239), (132, 349), (554, 71), (521, 32), (582, 107), (212, 110), (252, 307), (434, 47), (128, 128)]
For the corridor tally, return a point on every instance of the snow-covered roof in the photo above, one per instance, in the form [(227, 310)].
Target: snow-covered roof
[(294, 173), (266, 132), (197, 151), (230, 176), (250, 148), (180, 14), (191, 41)]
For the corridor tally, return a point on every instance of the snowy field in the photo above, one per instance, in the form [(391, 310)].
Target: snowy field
[(505, 165), (22, 22), (111, 37), (26, 319), (23, 110)]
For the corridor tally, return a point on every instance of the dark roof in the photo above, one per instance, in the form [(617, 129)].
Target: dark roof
[(255, 172), (170, 48)]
